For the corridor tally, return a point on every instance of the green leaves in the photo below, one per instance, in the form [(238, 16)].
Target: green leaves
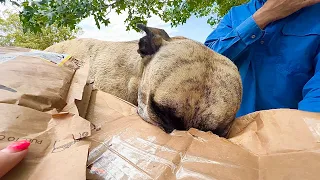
[(179, 11), (41, 38), (68, 13), (224, 6), (12, 2)]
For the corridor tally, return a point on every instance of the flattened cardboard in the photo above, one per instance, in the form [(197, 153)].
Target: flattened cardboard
[(32, 92), (126, 147), (34, 83), (41, 80), (79, 92), (276, 131), (266, 145), (286, 141), (10, 49), (83, 104), (293, 166), (104, 108), (56, 150), (262, 146)]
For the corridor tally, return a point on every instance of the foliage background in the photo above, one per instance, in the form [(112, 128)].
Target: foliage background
[(69, 13), (13, 34), (41, 23)]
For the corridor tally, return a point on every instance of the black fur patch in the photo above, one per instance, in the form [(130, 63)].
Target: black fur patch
[(167, 115), (146, 46), (150, 44)]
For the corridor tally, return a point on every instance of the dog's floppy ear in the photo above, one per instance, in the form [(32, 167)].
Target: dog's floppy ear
[(144, 28), (150, 44)]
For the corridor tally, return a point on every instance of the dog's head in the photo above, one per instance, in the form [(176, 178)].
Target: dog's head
[(185, 84), (152, 41)]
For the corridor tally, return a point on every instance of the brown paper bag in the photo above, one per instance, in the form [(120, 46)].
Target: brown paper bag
[(267, 145), (123, 146), (286, 141), (57, 150), (5, 50), (277, 131), (83, 104), (79, 92), (40, 80)]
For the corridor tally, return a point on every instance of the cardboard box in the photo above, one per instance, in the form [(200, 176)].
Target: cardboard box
[(36, 89), (266, 145), (77, 132), (56, 150), (40, 80)]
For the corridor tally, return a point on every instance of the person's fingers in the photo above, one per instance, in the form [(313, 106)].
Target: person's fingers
[(12, 155), (311, 2)]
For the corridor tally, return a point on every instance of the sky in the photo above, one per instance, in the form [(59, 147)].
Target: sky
[(195, 28)]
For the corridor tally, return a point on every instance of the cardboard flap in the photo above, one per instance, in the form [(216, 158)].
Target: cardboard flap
[(126, 147), (79, 92), (266, 145), (5, 50), (211, 157), (34, 82), (44, 81), (57, 150), (294, 166), (277, 131)]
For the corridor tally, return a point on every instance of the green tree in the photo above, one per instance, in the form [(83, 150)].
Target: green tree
[(13, 35), (40, 13)]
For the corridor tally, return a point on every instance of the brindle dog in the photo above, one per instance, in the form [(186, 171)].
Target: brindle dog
[(186, 85), (177, 83)]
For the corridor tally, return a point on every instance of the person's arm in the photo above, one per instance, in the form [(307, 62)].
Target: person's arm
[(232, 41), (311, 91)]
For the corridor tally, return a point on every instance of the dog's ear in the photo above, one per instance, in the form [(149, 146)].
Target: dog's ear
[(150, 44)]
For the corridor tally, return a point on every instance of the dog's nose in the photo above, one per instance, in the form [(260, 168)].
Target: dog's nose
[(168, 129), (142, 54)]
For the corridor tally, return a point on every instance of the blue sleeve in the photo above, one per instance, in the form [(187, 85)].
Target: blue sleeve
[(232, 41), (311, 91)]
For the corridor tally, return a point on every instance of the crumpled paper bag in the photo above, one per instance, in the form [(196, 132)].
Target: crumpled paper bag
[(277, 131), (39, 94), (266, 145), (39, 80), (123, 146), (57, 150)]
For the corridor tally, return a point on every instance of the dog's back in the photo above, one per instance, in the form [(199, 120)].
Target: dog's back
[(182, 84), (114, 66)]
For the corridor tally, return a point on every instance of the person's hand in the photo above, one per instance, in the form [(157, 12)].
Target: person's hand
[(12, 155), (274, 10)]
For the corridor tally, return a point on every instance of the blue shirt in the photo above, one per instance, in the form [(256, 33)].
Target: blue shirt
[(280, 65)]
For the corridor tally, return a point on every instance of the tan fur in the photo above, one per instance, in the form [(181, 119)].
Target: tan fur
[(183, 81), (200, 87), (115, 67)]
